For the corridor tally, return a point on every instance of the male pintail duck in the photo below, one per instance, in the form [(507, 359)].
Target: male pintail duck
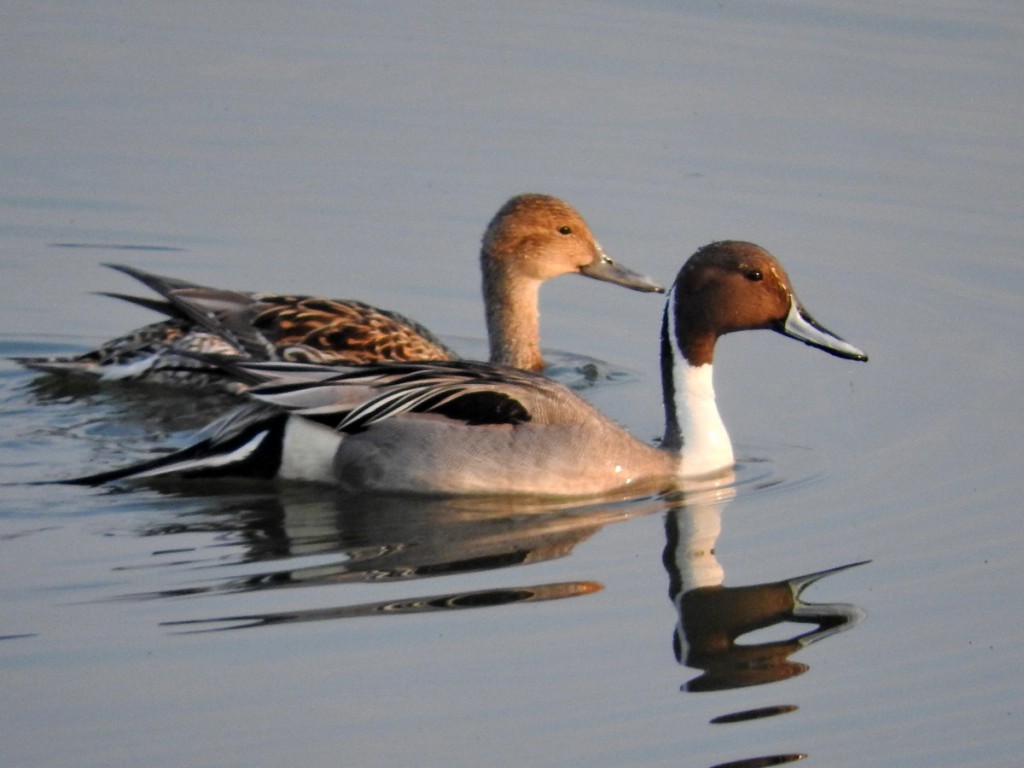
[(531, 239), (480, 428)]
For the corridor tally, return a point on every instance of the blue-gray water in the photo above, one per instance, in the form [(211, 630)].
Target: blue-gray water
[(359, 151)]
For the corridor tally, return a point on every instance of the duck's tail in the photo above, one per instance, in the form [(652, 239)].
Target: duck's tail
[(247, 443)]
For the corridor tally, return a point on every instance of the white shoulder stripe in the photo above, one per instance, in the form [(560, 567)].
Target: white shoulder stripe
[(217, 460)]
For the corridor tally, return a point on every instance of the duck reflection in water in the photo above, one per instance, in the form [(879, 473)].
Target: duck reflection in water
[(713, 618), (300, 539)]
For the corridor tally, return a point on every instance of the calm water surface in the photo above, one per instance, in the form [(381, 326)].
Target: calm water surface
[(360, 151)]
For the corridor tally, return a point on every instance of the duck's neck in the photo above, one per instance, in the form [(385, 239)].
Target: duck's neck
[(693, 426), (513, 317)]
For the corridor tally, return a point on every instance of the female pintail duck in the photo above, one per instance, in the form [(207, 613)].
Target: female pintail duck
[(480, 428), (531, 239)]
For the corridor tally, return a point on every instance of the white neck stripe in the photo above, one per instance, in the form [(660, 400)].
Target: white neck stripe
[(670, 320), (705, 443)]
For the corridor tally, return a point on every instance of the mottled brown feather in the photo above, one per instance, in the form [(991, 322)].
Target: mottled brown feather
[(324, 331)]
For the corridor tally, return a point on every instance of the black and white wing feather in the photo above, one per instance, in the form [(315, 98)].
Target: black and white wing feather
[(469, 392)]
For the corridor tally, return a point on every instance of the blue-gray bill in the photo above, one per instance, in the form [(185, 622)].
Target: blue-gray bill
[(801, 326), (604, 268)]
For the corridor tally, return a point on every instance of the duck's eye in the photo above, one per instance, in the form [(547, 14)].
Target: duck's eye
[(753, 275), (565, 230)]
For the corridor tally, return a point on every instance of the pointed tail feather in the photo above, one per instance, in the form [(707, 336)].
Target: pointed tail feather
[(159, 283), (56, 365), (246, 443), (221, 312), (156, 305)]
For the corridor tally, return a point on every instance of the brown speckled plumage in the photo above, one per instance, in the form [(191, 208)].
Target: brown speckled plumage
[(317, 330)]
